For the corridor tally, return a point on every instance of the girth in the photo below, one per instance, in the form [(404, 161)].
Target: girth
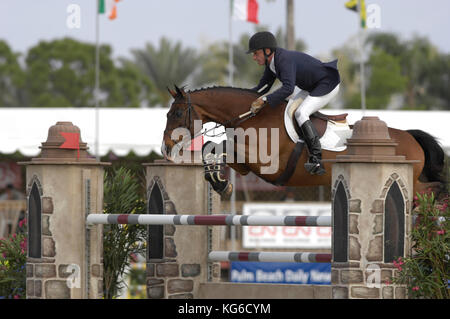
[(291, 165)]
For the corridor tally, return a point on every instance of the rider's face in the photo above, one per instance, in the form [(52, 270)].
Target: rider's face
[(258, 56)]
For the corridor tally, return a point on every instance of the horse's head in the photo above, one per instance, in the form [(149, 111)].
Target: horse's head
[(180, 123)]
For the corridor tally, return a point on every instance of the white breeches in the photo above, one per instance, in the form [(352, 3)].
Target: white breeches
[(310, 104)]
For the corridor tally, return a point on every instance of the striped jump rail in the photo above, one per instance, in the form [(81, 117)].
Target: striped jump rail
[(269, 257), (242, 220)]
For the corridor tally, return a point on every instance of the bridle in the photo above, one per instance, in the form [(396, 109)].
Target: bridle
[(188, 110), (188, 119)]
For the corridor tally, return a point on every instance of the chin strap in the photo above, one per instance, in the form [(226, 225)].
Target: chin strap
[(266, 56)]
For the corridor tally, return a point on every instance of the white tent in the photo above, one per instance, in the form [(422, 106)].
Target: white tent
[(120, 130), (141, 130)]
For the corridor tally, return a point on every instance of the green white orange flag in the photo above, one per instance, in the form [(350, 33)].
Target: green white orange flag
[(109, 7), (246, 10)]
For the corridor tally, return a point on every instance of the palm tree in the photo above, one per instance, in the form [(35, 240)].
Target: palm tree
[(167, 65)]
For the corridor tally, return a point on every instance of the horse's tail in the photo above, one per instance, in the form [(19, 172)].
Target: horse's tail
[(433, 169)]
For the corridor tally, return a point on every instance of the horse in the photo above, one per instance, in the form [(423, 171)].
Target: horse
[(225, 106)]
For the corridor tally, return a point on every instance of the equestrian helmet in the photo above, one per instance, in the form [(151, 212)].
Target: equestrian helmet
[(262, 40)]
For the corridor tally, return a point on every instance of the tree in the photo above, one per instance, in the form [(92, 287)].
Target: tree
[(167, 65), (438, 73), (122, 195), (129, 87), (425, 69), (12, 78), (349, 72), (420, 53), (61, 73), (213, 65), (385, 79), (388, 42)]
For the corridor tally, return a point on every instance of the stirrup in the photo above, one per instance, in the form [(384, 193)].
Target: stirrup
[(314, 168)]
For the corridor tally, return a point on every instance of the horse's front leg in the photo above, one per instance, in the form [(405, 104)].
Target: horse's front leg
[(214, 161), (215, 157)]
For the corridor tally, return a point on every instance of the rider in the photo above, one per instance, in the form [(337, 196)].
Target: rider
[(317, 81)]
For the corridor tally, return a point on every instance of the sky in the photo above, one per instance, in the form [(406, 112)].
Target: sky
[(322, 24)]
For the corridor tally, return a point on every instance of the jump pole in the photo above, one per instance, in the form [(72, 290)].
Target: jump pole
[(212, 220), (269, 257)]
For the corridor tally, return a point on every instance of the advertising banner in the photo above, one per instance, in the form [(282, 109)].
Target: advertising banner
[(286, 236), (283, 273)]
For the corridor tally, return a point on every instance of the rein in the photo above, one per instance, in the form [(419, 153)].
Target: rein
[(243, 117), (188, 117)]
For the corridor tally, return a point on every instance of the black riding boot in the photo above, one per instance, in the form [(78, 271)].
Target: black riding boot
[(314, 165)]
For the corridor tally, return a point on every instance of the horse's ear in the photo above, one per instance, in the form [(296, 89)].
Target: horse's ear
[(180, 92), (172, 92)]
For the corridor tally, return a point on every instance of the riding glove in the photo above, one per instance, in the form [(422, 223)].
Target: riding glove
[(257, 105)]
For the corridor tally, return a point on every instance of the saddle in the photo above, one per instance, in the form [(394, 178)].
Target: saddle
[(318, 119), (320, 122)]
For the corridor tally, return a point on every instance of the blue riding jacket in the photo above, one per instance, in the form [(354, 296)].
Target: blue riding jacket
[(295, 68)]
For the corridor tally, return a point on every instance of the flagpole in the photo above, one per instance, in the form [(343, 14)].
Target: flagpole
[(361, 60), (97, 75), (230, 46), (230, 83)]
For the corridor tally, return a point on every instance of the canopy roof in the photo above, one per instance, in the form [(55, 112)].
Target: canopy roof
[(122, 130)]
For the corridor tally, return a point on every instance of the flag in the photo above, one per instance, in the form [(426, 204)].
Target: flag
[(246, 10), (72, 141), (109, 7), (353, 5), (362, 14)]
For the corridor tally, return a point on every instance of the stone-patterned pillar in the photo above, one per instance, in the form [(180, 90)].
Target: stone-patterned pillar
[(372, 191), (177, 256), (63, 186)]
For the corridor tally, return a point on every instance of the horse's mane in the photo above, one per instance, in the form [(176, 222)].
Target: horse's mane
[(222, 88)]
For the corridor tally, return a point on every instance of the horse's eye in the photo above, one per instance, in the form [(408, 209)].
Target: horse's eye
[(178, 113)]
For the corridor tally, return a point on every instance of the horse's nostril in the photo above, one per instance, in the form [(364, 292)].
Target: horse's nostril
[(165, 150)]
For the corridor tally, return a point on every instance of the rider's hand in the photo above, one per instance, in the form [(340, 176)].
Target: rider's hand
[(257, 105)]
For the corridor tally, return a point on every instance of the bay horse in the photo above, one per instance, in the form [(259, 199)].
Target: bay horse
[(223, 105)]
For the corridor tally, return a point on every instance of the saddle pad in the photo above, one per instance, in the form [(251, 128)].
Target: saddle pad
[(334, 137)]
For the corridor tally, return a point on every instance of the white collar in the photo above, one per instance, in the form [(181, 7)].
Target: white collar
[(272, 64)]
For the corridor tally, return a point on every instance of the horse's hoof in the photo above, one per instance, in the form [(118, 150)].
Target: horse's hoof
[(227, 191)]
